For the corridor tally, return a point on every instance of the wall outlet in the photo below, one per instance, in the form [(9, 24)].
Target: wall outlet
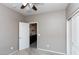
[(11, 48)]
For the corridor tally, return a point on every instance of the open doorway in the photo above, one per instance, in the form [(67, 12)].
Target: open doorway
[(33, 35)]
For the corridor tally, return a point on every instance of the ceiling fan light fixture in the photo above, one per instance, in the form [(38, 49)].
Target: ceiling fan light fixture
[(22, 7), (34, 8), (31, 5)]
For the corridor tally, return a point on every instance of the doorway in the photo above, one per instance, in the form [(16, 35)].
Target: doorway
[(73, 35), (33, 35)]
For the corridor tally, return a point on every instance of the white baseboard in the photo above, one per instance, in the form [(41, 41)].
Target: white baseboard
[(13, 52), (51, 51), (42, 50)]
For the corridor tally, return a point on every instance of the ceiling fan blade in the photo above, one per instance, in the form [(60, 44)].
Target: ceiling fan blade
[(22, 7), (34, 8)]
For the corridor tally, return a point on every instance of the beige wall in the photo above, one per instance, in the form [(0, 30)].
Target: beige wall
[(52, 30), (71, 8), (9, 20)]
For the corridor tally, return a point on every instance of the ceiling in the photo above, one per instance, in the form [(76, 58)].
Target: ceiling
[(42, 8)]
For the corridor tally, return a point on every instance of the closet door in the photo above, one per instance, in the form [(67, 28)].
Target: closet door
[(75, 34)]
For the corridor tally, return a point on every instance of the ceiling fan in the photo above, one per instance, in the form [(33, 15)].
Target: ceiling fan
[(31, 5)]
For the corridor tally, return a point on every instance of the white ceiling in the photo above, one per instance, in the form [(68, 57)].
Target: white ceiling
[(42, 8)]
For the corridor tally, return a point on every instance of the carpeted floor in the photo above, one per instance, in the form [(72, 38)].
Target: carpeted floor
[(34, 45), (34, 51)]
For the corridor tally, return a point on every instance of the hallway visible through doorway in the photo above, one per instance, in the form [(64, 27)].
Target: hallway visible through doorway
[(33, 35)]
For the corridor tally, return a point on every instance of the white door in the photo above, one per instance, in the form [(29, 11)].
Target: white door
[(23, 35), (75, 34)]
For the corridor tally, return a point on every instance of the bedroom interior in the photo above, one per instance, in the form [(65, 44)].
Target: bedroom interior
[(33, 35), (54, 33)]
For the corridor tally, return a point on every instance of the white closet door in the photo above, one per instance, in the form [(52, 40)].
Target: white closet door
[(75, 34)]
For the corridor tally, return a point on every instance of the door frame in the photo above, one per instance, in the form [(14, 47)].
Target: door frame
[(69, 36), (37, 32)]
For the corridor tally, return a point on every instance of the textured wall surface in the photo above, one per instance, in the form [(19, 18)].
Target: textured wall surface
[(9, 30), (52, 30)]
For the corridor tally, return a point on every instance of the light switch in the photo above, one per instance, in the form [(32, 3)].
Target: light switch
[(38, 34)]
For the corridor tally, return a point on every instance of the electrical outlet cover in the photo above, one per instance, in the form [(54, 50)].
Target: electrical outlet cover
[(11, 48)]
